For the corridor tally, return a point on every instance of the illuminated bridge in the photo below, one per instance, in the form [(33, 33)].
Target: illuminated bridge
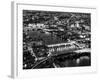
[(62, 48)]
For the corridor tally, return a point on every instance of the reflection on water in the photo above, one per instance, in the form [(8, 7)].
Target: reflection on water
[(74, 60)]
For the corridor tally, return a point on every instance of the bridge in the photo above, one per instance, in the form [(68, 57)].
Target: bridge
[(64, 47)]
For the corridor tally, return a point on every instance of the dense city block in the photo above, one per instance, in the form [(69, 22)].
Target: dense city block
[(56, 39)]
